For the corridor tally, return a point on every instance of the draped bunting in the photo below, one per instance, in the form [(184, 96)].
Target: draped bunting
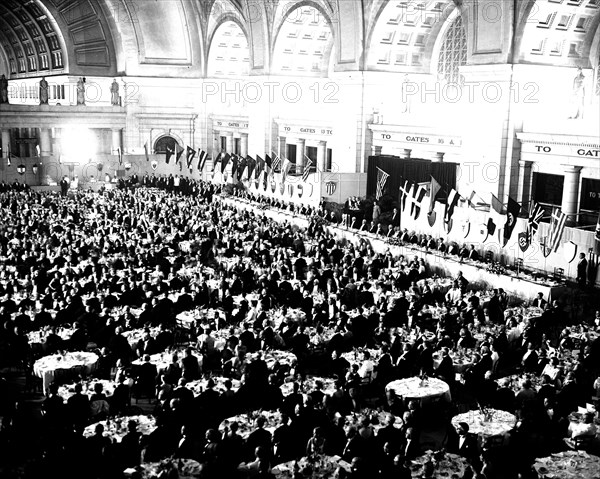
[(419, 171)]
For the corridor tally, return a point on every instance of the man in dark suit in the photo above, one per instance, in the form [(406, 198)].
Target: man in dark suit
[(582, 271), (540, 302), (465, 444)]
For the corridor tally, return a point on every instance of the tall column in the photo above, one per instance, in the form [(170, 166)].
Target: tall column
[(376, 150), (45, 142), (299, 155), (570, 196), (438, 157), (524, 192), (117, 139), (322, 155), (229, 142), (5, 142), (244, 145), (282, 147)]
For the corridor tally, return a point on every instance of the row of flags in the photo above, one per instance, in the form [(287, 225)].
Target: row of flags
[(413, 194)]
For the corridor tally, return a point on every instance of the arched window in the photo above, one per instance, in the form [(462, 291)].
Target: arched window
[(229, 54), (453, 52), (162, 143)]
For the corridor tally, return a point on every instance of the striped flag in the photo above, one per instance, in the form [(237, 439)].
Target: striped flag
[(178, 153), (285, 169), (201, 160), (306, 171), (404, 194), (382, 177), (189, 156), (451, 203), (536, 212), (276, 163), (434, 191), (557, 226), (416, 200), (224, 161)]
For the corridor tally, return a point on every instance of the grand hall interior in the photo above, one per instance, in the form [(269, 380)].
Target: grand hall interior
[(299, 239)]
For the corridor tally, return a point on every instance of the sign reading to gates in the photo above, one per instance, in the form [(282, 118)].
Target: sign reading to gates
[(563, 150), (304, 131), (243, 125), (418, 138)]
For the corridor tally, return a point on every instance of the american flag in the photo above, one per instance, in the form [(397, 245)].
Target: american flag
[(276, 163), (306, 171), (536, 212), (557, 226), (382, 177)]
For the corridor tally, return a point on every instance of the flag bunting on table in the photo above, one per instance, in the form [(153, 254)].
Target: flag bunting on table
[(512, 213), (189, 156), (306, 171), (557, 226), (416, 200), (201, 160), (382, 177)]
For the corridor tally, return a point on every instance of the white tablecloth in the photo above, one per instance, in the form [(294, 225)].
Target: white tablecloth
[(162, 360), (323, 467), (309, 384), (568, 465), (199, 386), (186, 469), (499, 422), (47, 366), (108, 388), (116, 428), (247, 423), (284, 358), (414, 388)]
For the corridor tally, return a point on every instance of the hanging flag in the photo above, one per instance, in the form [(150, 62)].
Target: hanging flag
[(512, 213), (234, 164), (306, 171), (202, 160), (382, 177), (120, 155), (476, 205), (276, 163), (145, 151), (536, 213), (269, 164), (434, 191), (524, 240), (557, 226), (190, 153), (251, 165), (216, 161), (168, 154), (241, 168), (224, 161), (178, 153), (260, 166), (416, 200), (496, 211), (285, 169), (451, 203), (404, 194)]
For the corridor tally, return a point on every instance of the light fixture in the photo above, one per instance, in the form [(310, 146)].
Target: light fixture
[(21, 169), (34, 168)]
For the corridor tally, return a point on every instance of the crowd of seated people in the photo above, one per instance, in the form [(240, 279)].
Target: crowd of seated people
[(107, 263)]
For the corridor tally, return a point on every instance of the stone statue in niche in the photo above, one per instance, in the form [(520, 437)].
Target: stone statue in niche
[(81, 91), (3, 89), (114, 93), (43, 91), (578, 97)]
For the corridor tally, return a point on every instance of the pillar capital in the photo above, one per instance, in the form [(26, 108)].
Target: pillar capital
[(525, 163), (405, 153), (438, 157), (572, 169)]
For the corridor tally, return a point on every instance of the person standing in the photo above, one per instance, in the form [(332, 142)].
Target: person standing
[(582, 271), (43, 91), (376, 213)]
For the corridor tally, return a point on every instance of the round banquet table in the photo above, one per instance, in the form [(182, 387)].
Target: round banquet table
[(357, 356), (199, 386), (247, 422), (162, 360), (49, 367), (568, 465), (377, 420), (309, 384), (323, 467), (414, 388), (460, 361), (39, 336), (186, 469), (116, 429), (284, 358), (498, 423), (448, 465), (67, 391), (133, 336)]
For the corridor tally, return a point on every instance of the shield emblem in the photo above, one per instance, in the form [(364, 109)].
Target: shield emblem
[(309, 189), (290, 190), (524, 241), (281, 188), (431, 217), (256, 184), (330, 187), (273, 187), (154, 165), (569, 251), (300, 190)]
